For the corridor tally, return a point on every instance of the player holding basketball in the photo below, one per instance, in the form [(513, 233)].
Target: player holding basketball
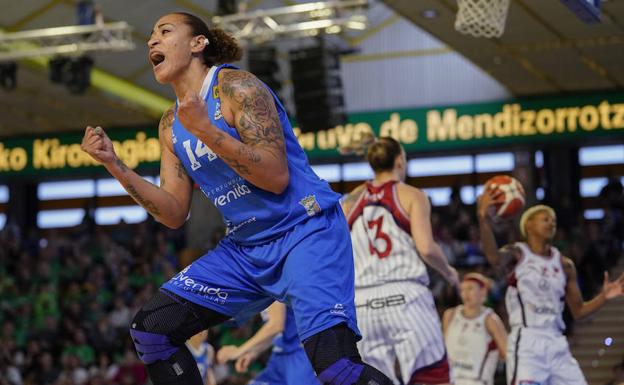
[(288, 364), (474, 334), (540, 279), (392, 241), (287, 237)]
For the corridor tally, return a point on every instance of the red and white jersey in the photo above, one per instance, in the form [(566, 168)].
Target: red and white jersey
[(383, 247), (536, 293), (471, 349)]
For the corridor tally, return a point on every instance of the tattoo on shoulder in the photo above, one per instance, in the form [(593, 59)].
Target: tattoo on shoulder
[(259, 123), (167, 120)]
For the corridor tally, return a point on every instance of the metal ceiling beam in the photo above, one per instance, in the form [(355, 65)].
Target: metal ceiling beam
[(153, 103), (300, 20), (69, 40)]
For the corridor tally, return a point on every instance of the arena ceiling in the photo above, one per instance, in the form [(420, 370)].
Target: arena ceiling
[(545, 49)]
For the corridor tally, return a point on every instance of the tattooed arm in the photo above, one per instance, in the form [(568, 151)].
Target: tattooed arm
[(169, 203), (260, 155)]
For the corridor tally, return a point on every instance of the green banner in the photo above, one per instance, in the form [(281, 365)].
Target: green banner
[(61, 154), (473, 126), (462, 127)]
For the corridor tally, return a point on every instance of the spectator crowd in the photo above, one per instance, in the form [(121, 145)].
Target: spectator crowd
[(67, 297)]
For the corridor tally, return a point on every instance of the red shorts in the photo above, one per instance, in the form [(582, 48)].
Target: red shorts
[(436, 373)]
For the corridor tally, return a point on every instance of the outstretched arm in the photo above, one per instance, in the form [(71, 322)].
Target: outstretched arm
[(260, 155), (574, 299), (169, 203), (422, 234), (263, 338)]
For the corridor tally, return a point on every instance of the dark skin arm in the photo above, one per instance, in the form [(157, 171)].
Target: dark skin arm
[(503, 259), (574, 299), (260, 155)]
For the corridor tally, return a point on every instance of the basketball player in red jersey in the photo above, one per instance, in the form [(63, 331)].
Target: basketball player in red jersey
[(392, 240), (540, 279)]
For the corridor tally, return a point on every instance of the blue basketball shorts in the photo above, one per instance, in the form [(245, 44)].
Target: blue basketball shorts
[(310, 268), (292, 368)]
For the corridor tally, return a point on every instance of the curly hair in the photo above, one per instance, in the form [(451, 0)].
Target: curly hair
[(222, 47)]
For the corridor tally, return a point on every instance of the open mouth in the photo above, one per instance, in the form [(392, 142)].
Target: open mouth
[(156, 58)]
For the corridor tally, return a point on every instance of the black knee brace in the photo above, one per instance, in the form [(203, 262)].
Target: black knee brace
[(159, 331), (335, 359)]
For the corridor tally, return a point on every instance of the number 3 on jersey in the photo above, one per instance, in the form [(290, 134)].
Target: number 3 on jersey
[(376, 225), (200, 150)]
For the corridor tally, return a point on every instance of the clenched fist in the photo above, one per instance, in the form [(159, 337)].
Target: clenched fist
[(193, 114), (97, 144)]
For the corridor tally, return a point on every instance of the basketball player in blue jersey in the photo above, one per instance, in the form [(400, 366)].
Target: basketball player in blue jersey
[(287, 237), (288, 364)]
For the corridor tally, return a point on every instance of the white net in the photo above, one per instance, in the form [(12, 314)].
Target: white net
[(482, 18)]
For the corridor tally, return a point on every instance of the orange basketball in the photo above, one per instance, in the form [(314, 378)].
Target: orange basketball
[(513, 192)]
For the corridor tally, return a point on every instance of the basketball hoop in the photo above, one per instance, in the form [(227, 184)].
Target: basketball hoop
[(482, 18)]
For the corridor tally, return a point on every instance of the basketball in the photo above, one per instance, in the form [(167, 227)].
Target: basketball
[(513, 193)]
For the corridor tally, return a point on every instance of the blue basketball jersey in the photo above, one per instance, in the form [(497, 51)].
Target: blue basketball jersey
[(288, 340), (252, 215)]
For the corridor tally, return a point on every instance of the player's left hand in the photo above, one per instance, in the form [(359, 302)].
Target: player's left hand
[(227, 353), (242, 364), (613, 289), (193, 114)]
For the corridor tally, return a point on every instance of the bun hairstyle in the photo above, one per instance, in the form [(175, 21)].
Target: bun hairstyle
[(220, 48), (379, 152)]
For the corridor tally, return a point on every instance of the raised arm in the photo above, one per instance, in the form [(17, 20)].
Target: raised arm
[(574, 299), (500, 259), (260, 155), (169, 203), (496, 328), (428, 249)]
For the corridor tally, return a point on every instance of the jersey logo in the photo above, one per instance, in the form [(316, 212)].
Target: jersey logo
[(310, 205), (338, 309), (215, 92)]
